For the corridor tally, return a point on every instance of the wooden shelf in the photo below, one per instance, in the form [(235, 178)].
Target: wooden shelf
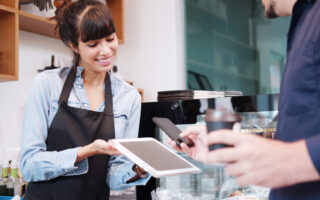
[(9, 3), (8, 45), (44, 26), (7, 9), (116, 8), (36, 24), (12, 19), (4, 78)]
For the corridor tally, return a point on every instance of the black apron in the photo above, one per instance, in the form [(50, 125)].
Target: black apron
[(74, 127)]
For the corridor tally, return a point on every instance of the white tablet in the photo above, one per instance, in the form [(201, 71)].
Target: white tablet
[(154, 157)]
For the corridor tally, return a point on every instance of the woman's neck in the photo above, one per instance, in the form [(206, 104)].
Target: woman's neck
[(93, 79)]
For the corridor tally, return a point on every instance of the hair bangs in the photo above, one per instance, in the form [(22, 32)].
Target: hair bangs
[(95, 24)]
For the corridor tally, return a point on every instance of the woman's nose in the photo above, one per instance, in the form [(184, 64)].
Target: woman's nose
[(105, 50), (101, 52)]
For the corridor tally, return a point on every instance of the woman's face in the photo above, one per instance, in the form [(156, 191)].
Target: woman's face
[(98, 55)]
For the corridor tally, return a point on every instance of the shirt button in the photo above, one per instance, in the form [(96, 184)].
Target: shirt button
[(84, 105), (79, 86)]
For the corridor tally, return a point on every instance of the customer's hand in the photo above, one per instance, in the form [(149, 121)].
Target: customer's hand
[(197, 134), (259, 161)]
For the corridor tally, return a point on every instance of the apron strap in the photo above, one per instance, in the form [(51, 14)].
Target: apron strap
[(67, 87), (108, 105)]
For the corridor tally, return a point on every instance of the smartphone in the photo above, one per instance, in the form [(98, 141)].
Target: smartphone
[(172, 131)]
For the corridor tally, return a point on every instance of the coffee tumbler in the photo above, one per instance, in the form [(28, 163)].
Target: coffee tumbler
[(216, 120)]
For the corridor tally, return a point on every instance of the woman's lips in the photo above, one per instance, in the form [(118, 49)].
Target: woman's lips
[(105, 61)]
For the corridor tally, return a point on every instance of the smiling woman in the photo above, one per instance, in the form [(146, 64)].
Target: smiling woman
[(65, 151)]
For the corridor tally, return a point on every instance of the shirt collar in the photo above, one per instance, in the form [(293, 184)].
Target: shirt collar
[(80, 80), (79, 71), (297, 12)]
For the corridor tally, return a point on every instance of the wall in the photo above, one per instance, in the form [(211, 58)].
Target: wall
[(152, 57), (34, 53), (153, 54)]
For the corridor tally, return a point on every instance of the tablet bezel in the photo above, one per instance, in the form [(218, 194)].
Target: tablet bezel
[(155, 173)]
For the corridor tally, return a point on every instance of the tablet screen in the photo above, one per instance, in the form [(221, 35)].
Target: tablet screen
[(156, 155)]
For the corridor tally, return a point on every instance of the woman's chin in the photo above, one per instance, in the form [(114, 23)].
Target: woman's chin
[(104, 68)]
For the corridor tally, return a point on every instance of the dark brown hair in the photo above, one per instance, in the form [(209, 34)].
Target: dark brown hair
[(85, 20)]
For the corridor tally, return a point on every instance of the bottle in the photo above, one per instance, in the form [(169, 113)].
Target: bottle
[(2, 184), (22, 185), (10, 188), (9, 181), (3, 181), (15, 178), (3, 187)]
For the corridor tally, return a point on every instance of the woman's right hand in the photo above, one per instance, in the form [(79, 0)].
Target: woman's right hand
[(102, 147), (99, 146)]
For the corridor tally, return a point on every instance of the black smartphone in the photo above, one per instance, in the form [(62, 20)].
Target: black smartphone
[(171, 130)]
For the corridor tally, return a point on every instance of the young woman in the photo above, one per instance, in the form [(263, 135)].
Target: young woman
[(73, 112)]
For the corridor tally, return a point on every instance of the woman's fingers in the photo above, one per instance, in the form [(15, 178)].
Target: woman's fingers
[(114, 152)]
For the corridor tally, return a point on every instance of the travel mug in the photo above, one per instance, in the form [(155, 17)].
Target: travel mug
[(216, 120)]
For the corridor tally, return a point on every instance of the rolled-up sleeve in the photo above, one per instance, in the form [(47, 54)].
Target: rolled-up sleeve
[(120, 171)]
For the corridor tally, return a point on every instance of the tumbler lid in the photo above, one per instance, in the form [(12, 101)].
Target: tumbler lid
[(219, 116)]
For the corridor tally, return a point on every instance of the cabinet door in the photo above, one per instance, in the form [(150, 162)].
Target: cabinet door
[(8, 45), (116, 8)]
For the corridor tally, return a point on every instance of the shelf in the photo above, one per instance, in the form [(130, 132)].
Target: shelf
[(8, 45), (116, 8), (10, 3), (4, 78), (221, 70), (12, 19), (43, 26), (36, 24), (7, 9)]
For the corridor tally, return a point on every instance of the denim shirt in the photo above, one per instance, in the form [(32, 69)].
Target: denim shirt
[(37, 164)]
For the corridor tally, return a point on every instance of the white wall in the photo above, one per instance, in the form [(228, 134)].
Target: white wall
[(153, 54), (34, 53), (152, 57)]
